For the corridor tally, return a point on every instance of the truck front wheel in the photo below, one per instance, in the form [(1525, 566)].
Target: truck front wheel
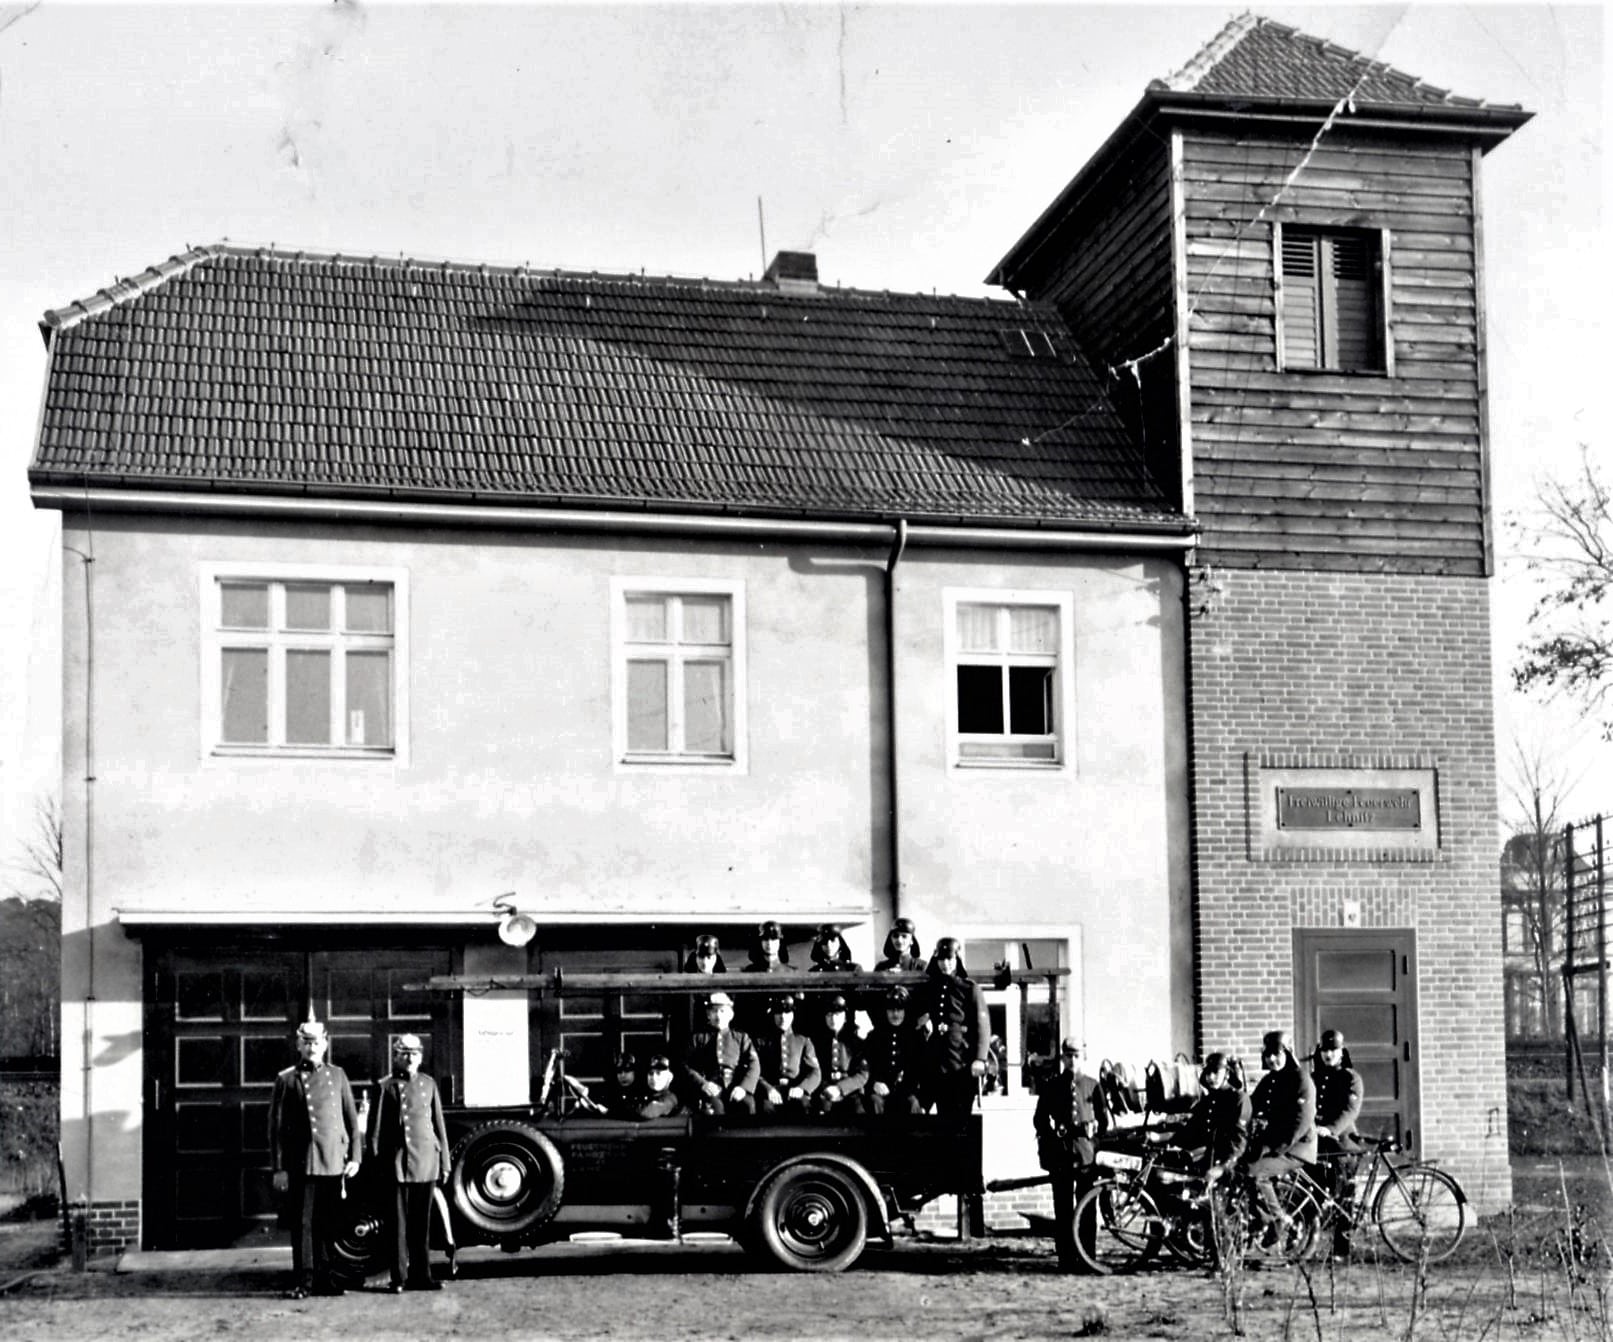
[(811, 1218), (507, 1179)]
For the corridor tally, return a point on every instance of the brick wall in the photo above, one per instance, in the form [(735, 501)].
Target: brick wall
[(1345, 667), (113, 1226), (1001, 1212)]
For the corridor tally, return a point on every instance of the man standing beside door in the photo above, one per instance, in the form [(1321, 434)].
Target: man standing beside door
[(409, 1138), (314, 1144)]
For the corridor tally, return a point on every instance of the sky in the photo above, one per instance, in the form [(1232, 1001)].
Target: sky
[(908, 146)]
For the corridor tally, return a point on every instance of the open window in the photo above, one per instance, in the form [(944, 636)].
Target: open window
[(1008, 656)]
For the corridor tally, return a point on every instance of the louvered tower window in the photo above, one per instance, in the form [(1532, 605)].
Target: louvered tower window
[(1332, 299)]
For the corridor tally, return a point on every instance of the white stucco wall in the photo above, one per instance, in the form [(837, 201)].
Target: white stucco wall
[(510, 781), (1099, 844)]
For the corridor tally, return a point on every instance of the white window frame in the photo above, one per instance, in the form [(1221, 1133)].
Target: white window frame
[(626, 761), (211, 578), (983, 948), (1063, 676), (1514, 930)]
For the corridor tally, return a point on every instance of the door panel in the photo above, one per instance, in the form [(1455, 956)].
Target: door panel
[(219, 1027), (594, 1029), (1363, 982)]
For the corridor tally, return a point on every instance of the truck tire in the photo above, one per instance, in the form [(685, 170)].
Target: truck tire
[(811, 1218), (359, 1247), (507, 1179)]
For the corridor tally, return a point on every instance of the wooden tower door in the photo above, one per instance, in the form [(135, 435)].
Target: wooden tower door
[(1363, 982)]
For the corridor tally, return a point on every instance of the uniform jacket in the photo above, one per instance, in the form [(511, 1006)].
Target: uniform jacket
[(891, 1053), (1065, 1105), (727, 1058), (1285, 1115), (957, 1011), (902, 964), (1339, 1093), (841, 1063), (646, 1105), (1219, 1123), (407, 1131), (313, 1122), (788, 1059)]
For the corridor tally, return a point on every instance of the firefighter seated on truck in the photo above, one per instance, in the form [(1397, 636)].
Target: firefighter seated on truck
[(656, 1099), (720, 1069), (894, 1059), (789, 1063), (841, 1062)]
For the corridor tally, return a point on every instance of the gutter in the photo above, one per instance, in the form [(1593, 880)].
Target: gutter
[(1166, 535)]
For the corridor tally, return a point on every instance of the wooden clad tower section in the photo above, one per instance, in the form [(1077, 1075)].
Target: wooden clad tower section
[(1377, 470), (1106, 261), (1319, 381)]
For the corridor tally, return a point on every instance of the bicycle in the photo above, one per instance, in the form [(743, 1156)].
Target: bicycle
[(1150, 1202), (1419, 1211)]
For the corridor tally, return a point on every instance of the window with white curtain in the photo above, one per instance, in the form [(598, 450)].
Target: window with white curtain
[(301, 661), (1008, 657), (678, 672)]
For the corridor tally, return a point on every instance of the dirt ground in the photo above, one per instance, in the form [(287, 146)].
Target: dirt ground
[(1508, 1281)]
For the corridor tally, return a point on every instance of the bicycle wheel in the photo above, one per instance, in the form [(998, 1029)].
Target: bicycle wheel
[(1304, 1215), (1117, 1228), (1421, 1213)]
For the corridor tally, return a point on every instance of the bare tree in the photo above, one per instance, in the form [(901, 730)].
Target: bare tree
[(30, 939), (1533, 882), (1569, 547)]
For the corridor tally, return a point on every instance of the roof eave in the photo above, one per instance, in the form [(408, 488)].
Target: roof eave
[(1132, 126), (63, 490), (1493, 122), (381, 504), (1489, 125)]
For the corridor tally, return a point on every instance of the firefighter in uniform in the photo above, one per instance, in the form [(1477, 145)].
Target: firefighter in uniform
[(410, 1139), (957, 1026), (844, 1070), (789, 1063), (1071, 1114), (657, 1099), (720, 1067), (314, 1145), (893, 1057)]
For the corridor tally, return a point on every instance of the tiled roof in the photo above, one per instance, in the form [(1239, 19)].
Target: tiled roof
[(1254, 57), (272, 371)]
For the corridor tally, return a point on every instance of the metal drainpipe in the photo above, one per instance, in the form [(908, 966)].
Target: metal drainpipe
[(899, 545), (88, 1032)]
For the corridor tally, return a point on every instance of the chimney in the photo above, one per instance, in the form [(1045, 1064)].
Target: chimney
[(793, 272)]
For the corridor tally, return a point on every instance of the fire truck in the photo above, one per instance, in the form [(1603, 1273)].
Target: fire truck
[(808, 1194)]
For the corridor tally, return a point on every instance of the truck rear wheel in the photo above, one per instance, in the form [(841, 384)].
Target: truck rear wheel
[(811, 1218), (507, 1179)]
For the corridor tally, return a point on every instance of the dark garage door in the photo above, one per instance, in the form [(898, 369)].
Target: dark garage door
[(218, 1029)]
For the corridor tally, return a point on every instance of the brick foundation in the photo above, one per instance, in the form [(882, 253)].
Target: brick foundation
[(1336, 669), (112, 1226)]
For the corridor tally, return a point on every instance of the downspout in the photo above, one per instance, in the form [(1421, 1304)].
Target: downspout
[(88, 1062), (891, 770)]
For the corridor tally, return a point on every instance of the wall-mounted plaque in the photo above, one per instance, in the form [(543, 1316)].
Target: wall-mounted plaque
[(1343, 808), (1368, 808)]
